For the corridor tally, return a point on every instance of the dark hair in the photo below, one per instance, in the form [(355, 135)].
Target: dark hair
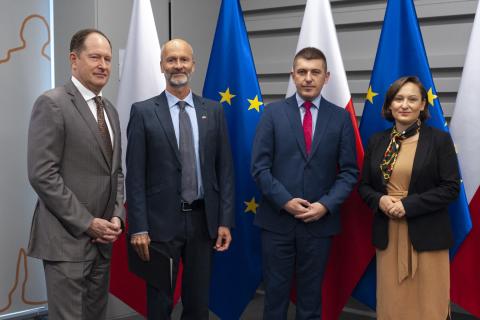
[(77, 44), (310, 53), (392, 92)]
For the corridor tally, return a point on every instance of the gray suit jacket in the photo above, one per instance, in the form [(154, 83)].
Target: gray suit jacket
[(69, 170)]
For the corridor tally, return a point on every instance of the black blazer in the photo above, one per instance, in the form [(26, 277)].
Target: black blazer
[(153, 180), (434, 184)]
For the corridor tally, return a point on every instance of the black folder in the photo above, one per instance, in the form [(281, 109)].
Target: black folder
[(157, 272)]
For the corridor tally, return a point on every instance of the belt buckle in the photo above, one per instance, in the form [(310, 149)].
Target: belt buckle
[(185, 206)]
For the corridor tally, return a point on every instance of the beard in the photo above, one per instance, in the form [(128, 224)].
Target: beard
[(175, 81)]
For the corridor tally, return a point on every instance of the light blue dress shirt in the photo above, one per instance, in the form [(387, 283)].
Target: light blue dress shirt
[(190, 109)]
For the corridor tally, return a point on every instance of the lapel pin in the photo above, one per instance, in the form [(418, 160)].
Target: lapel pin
[(204, 116)]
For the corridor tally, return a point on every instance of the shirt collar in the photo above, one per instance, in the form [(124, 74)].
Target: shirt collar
[(173, 100), (87, 94), (300, 101)]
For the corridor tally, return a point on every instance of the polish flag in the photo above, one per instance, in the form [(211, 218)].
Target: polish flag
[(352, 249), (464, 128)]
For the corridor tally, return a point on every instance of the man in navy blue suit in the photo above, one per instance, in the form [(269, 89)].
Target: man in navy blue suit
[(179, 184), (304, 163)]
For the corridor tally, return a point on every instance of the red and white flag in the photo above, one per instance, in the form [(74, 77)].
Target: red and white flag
[(140, 79), (464, 128), (352, 249), (140, 76)]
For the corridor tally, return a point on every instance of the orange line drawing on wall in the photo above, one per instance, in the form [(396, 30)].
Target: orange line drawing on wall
[(24, 42), (22, 255)]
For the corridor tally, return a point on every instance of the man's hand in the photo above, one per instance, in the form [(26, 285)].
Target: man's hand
[(223, 239), (118, 223), (297, 206), (315, 212), (104, 231), (140, 243)]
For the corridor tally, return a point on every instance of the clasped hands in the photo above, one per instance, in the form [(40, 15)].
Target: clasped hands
[(104, 231), (392, 207), (304, 210)]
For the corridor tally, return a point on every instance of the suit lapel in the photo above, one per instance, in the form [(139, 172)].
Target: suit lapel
[(293, 116), (323, 118), (163, 114), (202, 121), (82, 107), (379, 153), (421, 153)]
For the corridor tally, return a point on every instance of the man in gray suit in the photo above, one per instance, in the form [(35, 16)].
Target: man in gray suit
[(74, 166), (179, 183)]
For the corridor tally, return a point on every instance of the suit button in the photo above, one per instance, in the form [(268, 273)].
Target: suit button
[(179, 192), (179, 169)]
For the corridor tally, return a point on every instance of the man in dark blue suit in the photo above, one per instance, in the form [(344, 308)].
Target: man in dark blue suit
[(179, 183), (304, 163)]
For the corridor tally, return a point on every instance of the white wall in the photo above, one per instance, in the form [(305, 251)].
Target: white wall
[(24, 74)]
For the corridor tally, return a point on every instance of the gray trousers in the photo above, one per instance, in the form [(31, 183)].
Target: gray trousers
[(77, 290)]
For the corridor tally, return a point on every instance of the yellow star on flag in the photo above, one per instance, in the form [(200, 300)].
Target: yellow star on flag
[(251, 205), (371, 94), (226, 96), (431, 96), (255, 104)]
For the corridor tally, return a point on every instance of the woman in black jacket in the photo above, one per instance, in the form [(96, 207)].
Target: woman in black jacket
[(410, 176)]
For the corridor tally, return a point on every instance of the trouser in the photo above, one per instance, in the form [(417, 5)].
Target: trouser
[(77, 290), (296, 253), (194, 246)]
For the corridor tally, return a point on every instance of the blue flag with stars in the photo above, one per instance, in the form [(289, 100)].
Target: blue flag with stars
[(401, 53), (232, 80)]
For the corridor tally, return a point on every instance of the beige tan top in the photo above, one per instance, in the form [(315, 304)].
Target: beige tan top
[(398, 187)]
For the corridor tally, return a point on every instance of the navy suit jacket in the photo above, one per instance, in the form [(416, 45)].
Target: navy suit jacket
[(283, 170), (153, 180)]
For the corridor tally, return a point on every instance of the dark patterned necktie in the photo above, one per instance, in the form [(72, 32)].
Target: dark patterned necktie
[(187, 155), (102, 126), (307, 125)]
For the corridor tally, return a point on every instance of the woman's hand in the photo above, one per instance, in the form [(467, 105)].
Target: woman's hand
[(397, 210), (391, 206)]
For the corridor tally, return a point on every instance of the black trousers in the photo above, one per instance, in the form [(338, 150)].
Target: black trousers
[(194, 246)]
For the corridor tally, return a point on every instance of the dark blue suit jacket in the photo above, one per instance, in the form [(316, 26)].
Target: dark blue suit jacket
[(153, 180), (283, 170)]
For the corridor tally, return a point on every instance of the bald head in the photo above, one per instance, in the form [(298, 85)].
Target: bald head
[(177, 65), (176, 44)]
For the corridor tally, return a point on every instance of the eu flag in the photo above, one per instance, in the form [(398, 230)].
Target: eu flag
[(401, 53), (232, 80)]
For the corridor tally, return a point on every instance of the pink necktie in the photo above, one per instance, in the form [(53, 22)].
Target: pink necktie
[(307, 126)]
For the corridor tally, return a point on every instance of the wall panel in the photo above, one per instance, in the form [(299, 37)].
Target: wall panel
[(273, 28)]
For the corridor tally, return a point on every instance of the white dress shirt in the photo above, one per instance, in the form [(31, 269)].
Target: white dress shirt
[(88, 96)]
